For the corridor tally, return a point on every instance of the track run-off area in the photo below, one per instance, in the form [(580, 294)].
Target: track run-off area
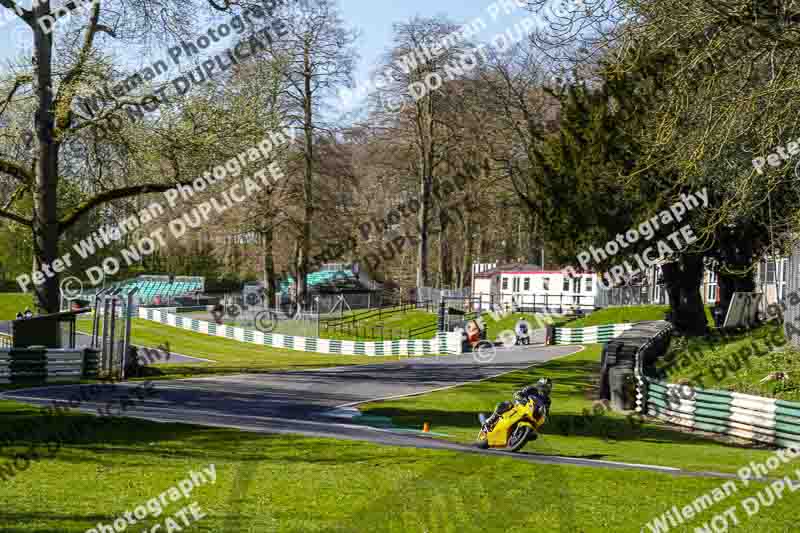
[(321, 402)]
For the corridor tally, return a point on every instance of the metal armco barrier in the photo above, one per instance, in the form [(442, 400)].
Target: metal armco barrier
[(754, 418), (46, 365)]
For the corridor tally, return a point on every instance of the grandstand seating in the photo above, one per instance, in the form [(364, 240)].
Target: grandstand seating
[(325, 277), (152, 286)]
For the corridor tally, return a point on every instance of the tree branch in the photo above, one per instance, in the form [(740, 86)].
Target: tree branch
[(19, 81), (17, 171), (114, 194), (21, 12), (16, 218), (69, 86), (16, 195)]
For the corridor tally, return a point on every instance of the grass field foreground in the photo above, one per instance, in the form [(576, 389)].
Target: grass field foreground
[(285, 483)]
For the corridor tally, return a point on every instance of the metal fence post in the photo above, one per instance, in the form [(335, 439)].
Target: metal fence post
[(113, 333), (127, 335), (98, 297)]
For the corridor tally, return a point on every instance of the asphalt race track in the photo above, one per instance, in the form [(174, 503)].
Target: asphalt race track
[(312, 402)]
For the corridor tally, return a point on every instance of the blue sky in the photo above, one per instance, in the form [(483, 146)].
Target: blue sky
[(374, 19)]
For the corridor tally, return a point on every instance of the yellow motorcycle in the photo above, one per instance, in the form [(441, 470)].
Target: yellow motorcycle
[(515, 426)]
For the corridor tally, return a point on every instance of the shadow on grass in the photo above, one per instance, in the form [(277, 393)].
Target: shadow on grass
[(108, 438), (558, 424)]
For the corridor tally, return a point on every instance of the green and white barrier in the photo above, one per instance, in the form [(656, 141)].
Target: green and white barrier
[(749, 417), (754, 418), (443, 343), (589, 335)]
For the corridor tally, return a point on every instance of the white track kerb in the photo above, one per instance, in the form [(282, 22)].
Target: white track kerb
[(156, 506), (178, 226)]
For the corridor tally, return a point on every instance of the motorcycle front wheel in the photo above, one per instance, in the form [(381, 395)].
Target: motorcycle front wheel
[(518, 438)]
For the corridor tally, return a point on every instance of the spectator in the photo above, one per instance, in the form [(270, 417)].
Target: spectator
[(28, 313), (473, 333), (19, 316), (522, 331)]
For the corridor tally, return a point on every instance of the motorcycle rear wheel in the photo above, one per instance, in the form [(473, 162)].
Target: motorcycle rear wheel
[(519, 436)]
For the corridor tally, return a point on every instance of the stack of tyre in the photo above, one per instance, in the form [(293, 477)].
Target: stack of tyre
[(617, 377)]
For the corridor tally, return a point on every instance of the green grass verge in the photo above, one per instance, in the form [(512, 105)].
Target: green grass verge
[(571, 430), (622, 314), (370, 328), (230, 356), (738, 362), (12, 303), (293, 484), (508, 322)]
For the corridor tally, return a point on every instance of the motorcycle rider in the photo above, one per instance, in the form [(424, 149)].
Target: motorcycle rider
[(540, 391)]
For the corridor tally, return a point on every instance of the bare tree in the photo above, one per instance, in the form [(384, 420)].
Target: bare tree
[(415, 68), (319, 57)]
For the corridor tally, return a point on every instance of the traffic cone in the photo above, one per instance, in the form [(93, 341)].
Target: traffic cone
[(426, 427)]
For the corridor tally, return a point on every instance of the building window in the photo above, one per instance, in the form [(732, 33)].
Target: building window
[(711, 295), (565, 288), (516, 284), (711, 289), (576, 284), (588, 284), (770, 271), (782, 277), (505, 284), (527, 284), (546, 284)]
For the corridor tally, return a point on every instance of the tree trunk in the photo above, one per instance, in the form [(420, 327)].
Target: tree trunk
[(533, 241), (683, 279), (445, 278), (737, 256), (308, 200), (267, 237), (422, 220), (297, 255), (45, 219), (425, 133), (481, 242), (465, 280)]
